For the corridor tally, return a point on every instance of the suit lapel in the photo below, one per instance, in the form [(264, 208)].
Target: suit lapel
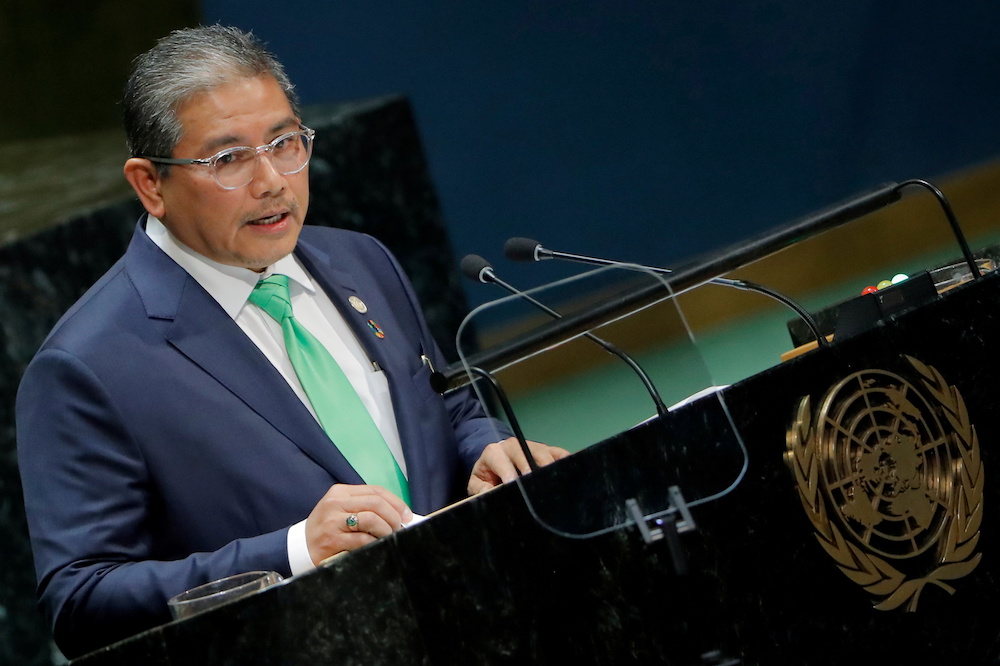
[(340, 287), (206, 335)]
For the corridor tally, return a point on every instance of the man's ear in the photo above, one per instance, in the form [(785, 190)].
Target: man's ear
[(145, 179)]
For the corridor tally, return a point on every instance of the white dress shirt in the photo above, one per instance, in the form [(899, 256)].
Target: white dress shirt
[(230, 286)]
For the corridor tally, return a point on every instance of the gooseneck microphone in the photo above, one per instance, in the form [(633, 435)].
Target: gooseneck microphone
[(528, 249), (479, 269)]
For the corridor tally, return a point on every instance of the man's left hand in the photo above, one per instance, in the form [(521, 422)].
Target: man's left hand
[(502, 462)]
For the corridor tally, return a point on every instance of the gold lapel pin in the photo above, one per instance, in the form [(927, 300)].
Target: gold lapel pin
[(358, 304)]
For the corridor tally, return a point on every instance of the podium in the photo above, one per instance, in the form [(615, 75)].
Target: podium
[(780, 570)]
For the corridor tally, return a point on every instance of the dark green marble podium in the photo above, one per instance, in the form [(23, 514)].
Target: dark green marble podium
[(552, 569)]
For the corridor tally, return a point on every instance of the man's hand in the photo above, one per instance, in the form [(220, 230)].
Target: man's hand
[(329, 530), (502, 462)]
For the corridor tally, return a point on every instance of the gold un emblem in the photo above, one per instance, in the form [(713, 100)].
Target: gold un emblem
[(889, 474)]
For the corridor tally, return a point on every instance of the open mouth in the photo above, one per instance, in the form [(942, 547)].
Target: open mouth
[(269, 220)]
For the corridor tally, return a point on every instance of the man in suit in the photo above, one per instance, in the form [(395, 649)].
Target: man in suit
[(166, 434)]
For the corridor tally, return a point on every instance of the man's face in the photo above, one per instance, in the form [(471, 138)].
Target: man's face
[(252, 226)]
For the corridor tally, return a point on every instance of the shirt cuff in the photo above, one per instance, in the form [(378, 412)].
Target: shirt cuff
[(298, 550)]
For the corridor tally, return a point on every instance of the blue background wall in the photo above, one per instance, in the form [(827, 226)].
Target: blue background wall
[(651, 131)]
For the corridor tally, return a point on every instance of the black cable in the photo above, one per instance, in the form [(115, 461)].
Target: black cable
[(952, 220)]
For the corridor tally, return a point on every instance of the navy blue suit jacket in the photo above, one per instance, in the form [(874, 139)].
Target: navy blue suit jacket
[(159, 449)]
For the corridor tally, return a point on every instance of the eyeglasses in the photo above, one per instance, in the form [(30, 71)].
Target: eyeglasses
[(235, 167)]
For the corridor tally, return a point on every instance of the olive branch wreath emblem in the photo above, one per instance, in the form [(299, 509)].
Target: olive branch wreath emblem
[(956, 556)]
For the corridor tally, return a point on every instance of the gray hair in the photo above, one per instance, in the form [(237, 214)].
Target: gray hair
[(182, 64)]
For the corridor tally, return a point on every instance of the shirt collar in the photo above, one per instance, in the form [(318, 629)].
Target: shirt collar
[(230, 286)]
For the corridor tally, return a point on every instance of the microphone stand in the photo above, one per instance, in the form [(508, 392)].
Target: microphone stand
[(509, 412), (514, 249)]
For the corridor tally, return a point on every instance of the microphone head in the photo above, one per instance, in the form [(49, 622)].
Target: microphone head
[(476, 268), (521, 249)]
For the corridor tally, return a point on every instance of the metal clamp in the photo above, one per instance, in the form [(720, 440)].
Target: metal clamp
[(668, 524)]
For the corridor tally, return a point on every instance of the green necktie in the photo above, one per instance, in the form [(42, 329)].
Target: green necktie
[(336, 403)]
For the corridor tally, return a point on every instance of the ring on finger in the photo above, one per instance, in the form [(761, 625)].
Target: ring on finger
[(352, 521)]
